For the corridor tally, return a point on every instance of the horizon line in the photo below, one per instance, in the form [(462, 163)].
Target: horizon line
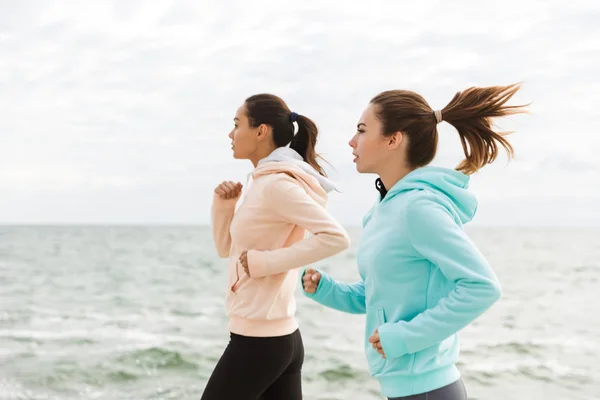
[(206, 225)]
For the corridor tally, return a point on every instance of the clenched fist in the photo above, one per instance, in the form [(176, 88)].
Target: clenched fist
[(228, 190), (310, 280), (375, 341), (244, 261)]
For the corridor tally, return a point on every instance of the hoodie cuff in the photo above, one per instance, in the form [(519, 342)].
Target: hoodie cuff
[(257, 264), (392, 340), (324, 286)]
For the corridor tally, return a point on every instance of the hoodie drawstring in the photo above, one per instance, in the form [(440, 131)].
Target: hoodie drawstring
[(379, 186)]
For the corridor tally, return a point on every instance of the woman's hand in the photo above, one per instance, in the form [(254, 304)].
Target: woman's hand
[(376, 343), (310, 280), (244, 261), (228, 190)]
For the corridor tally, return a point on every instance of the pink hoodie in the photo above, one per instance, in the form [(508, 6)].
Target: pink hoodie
[(283, 202)]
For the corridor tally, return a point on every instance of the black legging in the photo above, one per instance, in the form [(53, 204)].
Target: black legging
[(454, 391), (258, 368)]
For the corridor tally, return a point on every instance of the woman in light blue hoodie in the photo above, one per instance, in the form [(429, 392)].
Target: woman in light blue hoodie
[(422, 278)]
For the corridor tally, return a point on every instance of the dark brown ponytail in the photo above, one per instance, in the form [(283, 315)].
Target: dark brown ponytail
[(305, 141), (470, 112), (271, 110)]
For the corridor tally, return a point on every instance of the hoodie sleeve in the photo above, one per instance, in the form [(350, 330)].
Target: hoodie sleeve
[(288, 199), (438, 238), (221, 215), (345, 297)]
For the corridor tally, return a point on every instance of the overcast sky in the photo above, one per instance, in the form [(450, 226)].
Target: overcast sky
[(118, 111)]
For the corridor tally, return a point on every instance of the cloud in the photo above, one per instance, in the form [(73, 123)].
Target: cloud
[(120, 102)]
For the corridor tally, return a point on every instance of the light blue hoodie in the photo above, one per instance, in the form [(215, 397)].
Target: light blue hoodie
[(422, 280)]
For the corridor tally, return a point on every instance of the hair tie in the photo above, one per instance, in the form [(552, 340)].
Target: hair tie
[(293, 117), (438, 116)]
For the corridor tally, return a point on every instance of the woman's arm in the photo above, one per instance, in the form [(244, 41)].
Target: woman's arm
[(345, 297), (221, 215), (290, 200), (439, 238)]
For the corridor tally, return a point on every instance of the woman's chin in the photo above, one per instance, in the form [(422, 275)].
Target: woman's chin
[(362, 169), (238, 156)]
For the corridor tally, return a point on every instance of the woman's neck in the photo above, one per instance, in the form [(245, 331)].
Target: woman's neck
[(390, 176), (260, 154)]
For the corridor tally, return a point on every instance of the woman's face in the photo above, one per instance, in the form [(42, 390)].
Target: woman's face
[(369, 146), (244, 138)]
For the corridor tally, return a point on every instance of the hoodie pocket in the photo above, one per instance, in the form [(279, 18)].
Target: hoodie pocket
[(235, 279), (375, 318)]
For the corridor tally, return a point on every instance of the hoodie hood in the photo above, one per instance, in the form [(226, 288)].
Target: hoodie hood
[(291, 157), (450, 185)]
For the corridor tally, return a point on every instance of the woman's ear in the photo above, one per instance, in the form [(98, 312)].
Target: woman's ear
[(263, 132), (395, 140)]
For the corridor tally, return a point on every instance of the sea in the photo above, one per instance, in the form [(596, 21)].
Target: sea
[(137, 312)]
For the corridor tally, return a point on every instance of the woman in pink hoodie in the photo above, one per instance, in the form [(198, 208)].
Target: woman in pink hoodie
[(265, 241)]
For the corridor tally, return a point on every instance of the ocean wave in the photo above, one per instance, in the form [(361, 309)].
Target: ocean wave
[(89, 336), (547, 371), (340, 373), (13, 390), (71, 337), (70, 376), (122, 376), (504, 347), (157, 357), (529, 346)]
